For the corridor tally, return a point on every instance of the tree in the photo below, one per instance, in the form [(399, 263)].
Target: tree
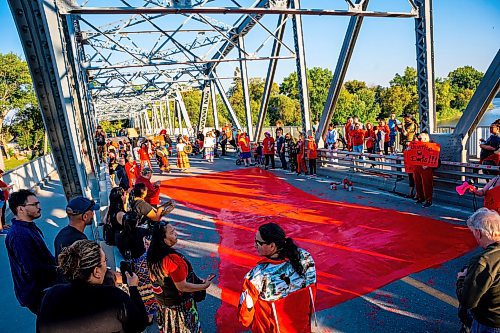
[(29, 130), (284, 108), (466, 77), (354, 86), (318, 81)]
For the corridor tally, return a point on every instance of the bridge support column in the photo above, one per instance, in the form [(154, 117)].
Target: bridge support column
[(271, 70), (50, 60), (244, 86), (300, 54), (213, 94), (350, 39), (425, 66)]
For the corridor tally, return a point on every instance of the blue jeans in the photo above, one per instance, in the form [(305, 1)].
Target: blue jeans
[(480, 328)]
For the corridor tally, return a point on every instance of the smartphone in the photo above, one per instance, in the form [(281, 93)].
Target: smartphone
[(125, 266), (211, 277)]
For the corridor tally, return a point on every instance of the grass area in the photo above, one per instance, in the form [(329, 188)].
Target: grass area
[(13, 163)]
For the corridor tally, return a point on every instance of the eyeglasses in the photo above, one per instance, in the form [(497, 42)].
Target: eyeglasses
[(260, 243), (419, 139), (33, 204)]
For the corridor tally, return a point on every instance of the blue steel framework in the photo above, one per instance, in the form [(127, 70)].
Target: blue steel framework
[(110, 71)]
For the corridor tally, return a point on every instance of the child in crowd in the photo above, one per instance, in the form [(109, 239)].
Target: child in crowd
[(259, 154), (312, 154)]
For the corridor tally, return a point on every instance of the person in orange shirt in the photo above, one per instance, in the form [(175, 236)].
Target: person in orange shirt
[(301, 155), (278, 294), (370, 139), (132, 170), (312, 154), (144, 159), (357, 138), (244, 144), (347, 129), (268, 144)]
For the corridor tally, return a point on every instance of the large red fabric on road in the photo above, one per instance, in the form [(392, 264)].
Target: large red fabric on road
[(357, 249)]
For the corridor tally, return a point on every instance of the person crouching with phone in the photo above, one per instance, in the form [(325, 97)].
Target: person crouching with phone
[(176, 286), (133, 242)]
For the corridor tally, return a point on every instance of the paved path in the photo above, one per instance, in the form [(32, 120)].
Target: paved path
[(422, 302)]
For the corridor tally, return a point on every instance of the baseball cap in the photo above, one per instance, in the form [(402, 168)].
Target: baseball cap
[(80, 205)]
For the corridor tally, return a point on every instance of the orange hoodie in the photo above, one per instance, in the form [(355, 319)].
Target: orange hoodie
[(276, 299)]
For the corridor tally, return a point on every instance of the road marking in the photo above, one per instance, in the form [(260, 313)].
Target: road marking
[(431, 291)]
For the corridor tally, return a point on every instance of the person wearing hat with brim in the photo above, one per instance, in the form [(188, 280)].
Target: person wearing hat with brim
[(80, 212)]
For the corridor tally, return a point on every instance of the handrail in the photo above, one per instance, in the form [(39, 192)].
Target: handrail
[(395, 166)]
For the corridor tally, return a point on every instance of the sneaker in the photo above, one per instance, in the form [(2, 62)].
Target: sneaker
[(3, 232), (427, 204), (419, 201)]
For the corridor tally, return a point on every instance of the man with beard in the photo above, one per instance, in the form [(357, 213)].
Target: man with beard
[(80, 212), (32, 265)]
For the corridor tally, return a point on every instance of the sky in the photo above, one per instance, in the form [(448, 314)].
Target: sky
[(465, 33)]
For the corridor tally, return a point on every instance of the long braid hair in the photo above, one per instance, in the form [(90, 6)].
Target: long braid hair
[(116, 203), (273, 233), (77, 262), (158, 250)]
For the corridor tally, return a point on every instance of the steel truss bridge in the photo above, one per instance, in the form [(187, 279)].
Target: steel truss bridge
[(94, 60)]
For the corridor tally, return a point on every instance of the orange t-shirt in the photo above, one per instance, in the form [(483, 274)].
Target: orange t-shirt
[(175, 267), (244, 144), (357, 136)]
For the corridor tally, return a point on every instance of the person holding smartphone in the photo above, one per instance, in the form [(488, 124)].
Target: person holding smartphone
[(133, 242), (177, 288)]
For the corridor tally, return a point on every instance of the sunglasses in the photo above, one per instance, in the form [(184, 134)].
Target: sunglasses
[(260, 243), (419, 139)]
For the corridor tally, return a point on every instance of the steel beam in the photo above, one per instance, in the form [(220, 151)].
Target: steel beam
[(169, 114), (271, 70), (229, 108), (46, 48), (205, 103), (425, 66), (182, 107), (244, 86), (232, 10), (214, 106), (300, 54), (343, 61)]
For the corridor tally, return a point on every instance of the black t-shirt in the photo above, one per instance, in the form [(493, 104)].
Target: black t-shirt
[(494, 141), (142, 208), (133, 242), (66, 237), (81, 307)]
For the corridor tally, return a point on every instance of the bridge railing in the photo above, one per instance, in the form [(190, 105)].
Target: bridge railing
[(393, 165), (30, 174)]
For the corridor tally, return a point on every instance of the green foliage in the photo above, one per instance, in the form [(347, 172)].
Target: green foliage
[(354, 86), (466, 77), (16, 90), (318, 81), (29, 130), (112, 127), (284, 108)]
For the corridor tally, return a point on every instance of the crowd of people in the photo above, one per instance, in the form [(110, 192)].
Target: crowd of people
[(157, 283), (75, 290)]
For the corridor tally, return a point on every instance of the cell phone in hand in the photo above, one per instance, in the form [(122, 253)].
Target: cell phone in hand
[(211, 277), (125, 266)]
